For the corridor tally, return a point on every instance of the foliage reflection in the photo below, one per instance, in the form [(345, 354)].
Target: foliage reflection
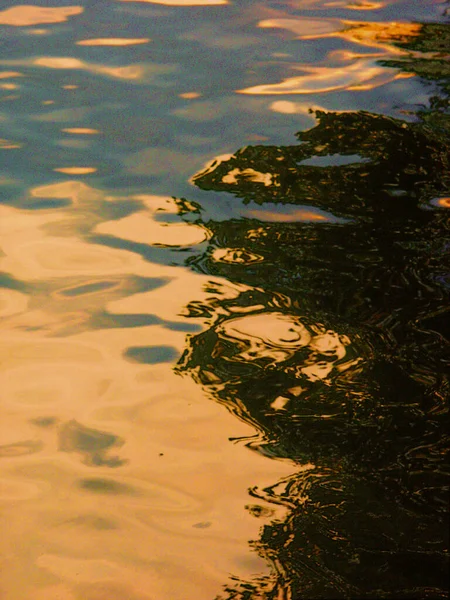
[(336, 350)]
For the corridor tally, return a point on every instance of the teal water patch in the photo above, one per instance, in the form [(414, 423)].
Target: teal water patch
[(152, 355)]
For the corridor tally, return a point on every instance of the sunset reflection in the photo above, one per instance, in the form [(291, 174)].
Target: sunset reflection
[(81, 130), (76, 170), (223, 299), (131, 72), (113, 42), (362, 74), (358, 5), (142, 227), (26, 15)]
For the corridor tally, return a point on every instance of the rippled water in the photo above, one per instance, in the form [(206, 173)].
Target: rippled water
[(224, 299)]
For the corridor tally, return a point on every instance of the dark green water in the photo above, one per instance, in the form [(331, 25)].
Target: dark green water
[(225, 381)]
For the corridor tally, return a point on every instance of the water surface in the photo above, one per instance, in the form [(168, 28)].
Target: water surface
[(224, 300)]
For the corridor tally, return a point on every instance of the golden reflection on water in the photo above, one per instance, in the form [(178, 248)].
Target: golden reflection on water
[(362, 74), (76, 170), (9, 145), (131, 72), (359, 5), (270, 337), (25, 15), (110, 466), (293, 216), (287, 107), (113, 42), (81, 130), (354, 71), (8, 74)]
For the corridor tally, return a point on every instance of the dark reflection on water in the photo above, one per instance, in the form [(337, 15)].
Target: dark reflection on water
[(338, 350)]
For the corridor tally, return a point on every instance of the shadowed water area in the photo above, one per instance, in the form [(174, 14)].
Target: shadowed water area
[(224, 301)]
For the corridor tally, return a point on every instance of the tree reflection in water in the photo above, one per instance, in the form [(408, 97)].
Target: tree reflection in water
[(337, 348)]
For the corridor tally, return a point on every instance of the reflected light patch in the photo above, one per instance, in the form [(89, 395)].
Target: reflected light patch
[(274, 213), (304, 28), (277, 337), (60, 63), (76, 191), (266, 335), (250, 175), (299, 215), (143, 228), (8, 74), (441, 202), (56, 62), (37, 31), (113, 42), (279, 403), (81, 130), (189, 95), (182, 2), (76, 170), (327, 79), (9, 145), (26, 14), (361, 5), (211, 166), (381, 35), (239, 256), (288, 107)]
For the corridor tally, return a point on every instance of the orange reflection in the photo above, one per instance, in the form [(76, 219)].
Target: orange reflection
[(189, 95), (441, 202), (128, 72), (81, 130), (287, 107), (8, 145), (379, 35), (327, 79), (211, 165), (305, 28), (301, 214), (142, 227), (24, 15), (8, 74), (360, 5), (37, 31), (76, 170), (152, 519), (273, 338), (250, 175), (238, 256), (59, 63), (113, 42)]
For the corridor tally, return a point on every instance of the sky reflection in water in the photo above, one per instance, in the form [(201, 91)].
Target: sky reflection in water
[(206, 346)]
